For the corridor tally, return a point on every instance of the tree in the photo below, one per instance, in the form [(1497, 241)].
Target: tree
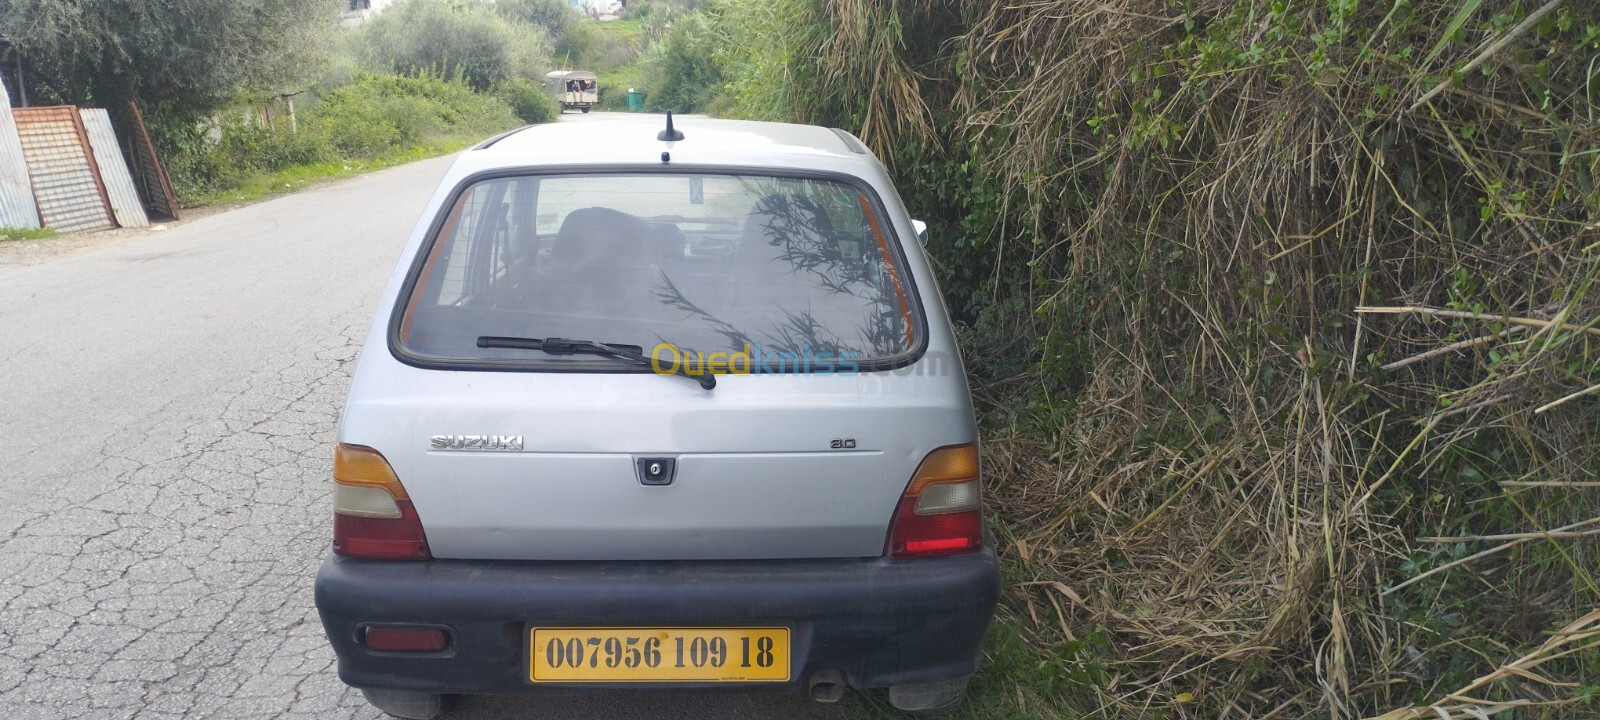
[(555, 16), (185, 57), (452, 38)]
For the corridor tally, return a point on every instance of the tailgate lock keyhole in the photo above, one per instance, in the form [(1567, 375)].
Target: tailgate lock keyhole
[(657, 470)]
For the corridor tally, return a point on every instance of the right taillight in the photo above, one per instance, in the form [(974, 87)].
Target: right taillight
[(939, 514), (372, 515)]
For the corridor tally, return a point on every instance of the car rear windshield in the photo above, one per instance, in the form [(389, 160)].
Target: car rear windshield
[(676, 265)]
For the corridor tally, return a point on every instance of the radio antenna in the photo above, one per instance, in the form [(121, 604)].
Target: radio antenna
[(669, 134)]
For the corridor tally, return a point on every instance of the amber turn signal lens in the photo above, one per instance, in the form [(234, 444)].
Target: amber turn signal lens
[(954, 463), (359, 465)]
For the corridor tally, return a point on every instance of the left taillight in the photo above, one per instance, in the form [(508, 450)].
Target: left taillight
[(373, 517)]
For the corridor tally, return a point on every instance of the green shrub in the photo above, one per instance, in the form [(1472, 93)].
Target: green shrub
[(380, 112), (373, 117), (579, 46), (252, 146), (555, 16), (685, 76), (599, 46), (468, 40), (529, 100)]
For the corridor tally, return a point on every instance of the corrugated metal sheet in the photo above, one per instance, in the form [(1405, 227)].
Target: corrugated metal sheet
[(113, 171), (148, 174), (65, 183), (16, 191)]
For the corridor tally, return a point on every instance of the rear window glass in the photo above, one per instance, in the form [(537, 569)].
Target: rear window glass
[(671, 264)]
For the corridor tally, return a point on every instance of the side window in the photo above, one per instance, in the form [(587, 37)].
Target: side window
[(510, 237), (848, 220), (454, 286), (492, 234), (476, 229)]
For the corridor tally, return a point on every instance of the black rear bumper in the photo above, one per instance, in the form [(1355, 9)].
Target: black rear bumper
[(880, 622)]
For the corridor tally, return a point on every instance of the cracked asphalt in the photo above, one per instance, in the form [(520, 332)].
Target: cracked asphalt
[(167, 413)]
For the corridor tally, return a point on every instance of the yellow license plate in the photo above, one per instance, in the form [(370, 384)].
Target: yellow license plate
[(659, 655)]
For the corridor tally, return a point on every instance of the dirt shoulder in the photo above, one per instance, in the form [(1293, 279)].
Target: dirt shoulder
[(22, 253)]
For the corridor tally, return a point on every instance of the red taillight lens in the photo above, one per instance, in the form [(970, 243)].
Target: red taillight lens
[(406, 639), (916, 535), (939, 513), (381, 538), (373, 517)]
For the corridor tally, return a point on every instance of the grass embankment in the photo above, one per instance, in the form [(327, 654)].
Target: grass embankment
[(1281, 319), (614, 86), (376, 121), (266, 183)]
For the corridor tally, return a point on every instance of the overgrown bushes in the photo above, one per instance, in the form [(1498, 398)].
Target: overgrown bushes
[(380, 111), (684, 76), (470, 40), (530, 101), (372, 117), (423, 76), (1225, 490), (600, 46)]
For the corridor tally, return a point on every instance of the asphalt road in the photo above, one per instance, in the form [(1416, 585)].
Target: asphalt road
[(167, 411)]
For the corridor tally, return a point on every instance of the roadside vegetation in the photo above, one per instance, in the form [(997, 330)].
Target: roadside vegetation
[(660, 47), (7, 233), (1282, 320), (281, 95), (373, 122)]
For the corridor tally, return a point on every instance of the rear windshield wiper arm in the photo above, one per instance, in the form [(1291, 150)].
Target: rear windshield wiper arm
[(563, 346)]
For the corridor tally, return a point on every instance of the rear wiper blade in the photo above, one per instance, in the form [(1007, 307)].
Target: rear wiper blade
[(558, 346), (564, 346)]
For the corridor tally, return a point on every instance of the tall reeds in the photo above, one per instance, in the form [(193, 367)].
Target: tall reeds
[(1283, 319)]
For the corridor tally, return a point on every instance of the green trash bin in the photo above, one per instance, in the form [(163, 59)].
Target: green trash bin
[(635, 100)]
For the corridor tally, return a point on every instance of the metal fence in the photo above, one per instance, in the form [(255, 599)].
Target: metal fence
[(70, 169), (66, 179), (17, 209)]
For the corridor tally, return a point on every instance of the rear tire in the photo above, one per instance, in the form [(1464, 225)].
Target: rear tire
[(585, 111), (406, 704), (930, 699)]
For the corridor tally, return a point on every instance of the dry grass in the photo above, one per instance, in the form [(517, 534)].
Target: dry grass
[(1238, 477)]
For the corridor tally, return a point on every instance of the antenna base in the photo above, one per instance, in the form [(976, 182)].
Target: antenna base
[(669, 134)]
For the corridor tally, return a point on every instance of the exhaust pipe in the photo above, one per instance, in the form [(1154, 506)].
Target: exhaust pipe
[(826, 686)]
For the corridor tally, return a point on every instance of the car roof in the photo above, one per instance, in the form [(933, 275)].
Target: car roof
[(631, 139)]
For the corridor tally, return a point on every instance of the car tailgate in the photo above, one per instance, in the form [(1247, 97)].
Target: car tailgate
[(765, 463)]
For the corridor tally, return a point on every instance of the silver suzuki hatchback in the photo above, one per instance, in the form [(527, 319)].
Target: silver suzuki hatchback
[(655, 407)]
